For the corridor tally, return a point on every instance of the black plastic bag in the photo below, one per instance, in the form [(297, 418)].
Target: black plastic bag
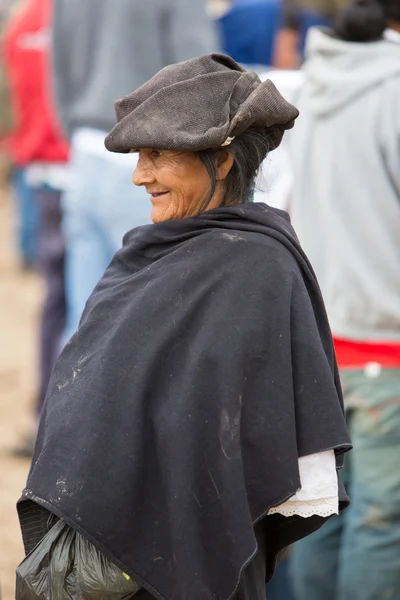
[(65, 566)]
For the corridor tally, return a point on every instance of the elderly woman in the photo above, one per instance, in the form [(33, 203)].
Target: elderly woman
[(194, 424)]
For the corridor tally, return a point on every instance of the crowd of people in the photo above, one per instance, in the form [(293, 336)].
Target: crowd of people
[(336, 172)]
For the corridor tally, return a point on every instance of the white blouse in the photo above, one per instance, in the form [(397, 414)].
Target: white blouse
[(319, 494)]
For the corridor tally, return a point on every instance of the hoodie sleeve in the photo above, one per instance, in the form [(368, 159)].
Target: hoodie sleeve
[(191, 32)]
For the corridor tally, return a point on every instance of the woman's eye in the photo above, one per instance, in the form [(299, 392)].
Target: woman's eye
[(155, 154)]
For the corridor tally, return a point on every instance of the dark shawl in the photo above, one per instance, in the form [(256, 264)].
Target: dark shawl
[(202, 370)]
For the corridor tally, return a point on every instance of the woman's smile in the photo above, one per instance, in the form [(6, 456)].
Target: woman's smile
[(157, 195)]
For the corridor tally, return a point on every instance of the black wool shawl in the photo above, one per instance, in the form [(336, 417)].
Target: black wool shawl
[(203, 368)]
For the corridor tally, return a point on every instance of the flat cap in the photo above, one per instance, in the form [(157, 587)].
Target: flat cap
[(199, 104)]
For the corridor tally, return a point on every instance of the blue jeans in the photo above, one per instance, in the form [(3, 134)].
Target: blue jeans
[(51, 253), (356, 556), (280, 588), (28, 217), (101, 205)]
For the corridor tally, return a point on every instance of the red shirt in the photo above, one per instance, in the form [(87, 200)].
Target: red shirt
[(37, 136), (352, 354)]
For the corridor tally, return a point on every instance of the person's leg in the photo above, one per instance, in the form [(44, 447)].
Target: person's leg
[(314, 562), (86, 255), (370, 554), (123, 206), (51, 263), (280, 587), (27, 218), (101, 206)]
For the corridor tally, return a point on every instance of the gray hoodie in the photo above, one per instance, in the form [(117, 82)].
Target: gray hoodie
[(104, 49), (346, 199)]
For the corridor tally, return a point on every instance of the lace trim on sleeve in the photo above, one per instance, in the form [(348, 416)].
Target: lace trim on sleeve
[(319, 494)]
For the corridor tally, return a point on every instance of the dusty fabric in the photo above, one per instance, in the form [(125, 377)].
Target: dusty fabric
[(202, 370), (199, 104)]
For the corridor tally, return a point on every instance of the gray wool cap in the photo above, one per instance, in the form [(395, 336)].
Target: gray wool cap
[(199, 104)]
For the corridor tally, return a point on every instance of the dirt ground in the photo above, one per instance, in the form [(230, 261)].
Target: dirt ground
[(20, 296)]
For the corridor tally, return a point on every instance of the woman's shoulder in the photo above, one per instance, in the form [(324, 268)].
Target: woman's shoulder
[(250, 253)]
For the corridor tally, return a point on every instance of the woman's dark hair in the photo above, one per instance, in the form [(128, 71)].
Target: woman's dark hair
[(366, 20), (248, 150)]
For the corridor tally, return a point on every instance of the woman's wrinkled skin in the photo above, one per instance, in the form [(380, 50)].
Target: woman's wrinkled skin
[(178, 182)]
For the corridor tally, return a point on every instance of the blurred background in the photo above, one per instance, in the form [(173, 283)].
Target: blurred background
[(65, 204)]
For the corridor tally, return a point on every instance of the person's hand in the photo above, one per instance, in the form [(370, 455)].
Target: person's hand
[(286, 54)]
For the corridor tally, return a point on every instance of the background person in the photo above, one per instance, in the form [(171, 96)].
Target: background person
[(41, 152), (248, 30), (102, 50), (346, 209), (297, 18)]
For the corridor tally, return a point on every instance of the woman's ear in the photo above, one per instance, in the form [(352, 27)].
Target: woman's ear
[(223, 163)]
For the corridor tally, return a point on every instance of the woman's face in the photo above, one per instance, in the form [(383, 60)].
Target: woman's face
[(177, 182)]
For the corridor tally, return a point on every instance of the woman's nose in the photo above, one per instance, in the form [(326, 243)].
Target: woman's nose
[(143, 174)]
